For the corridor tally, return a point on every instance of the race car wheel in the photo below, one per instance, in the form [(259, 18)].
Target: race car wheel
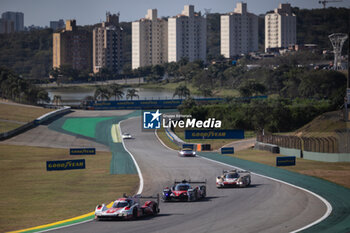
[(248, 182), (134, 212), (155, 209)]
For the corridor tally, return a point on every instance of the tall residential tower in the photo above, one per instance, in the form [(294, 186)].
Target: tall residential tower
[(72, 46), (187, 36), (108, 45), (149, 40), (239, 32), (280, 28)]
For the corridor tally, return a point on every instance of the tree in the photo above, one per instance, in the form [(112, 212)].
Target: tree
[(102, 93), (131, 93), (57, 100), (182, 91), (116, 91), (206, 92)]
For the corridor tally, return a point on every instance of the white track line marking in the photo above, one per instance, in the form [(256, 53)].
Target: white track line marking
[(136, 164), (138, 192), (328, 205)]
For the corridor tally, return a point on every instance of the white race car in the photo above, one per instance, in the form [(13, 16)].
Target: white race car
[(126, 136), (127, 208), (233, 178)]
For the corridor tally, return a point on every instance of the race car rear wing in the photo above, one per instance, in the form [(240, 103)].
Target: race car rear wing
[(238, 171), (139, 196), (190, 181)]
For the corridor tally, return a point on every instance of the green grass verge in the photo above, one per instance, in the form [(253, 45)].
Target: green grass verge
[(83, 126), (33, 196), (7, 126), (21, 113), (162, 135), (338, 173)]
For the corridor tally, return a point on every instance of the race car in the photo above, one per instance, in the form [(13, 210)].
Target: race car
[(233, 178), (187, 152), (126, 136), (127, 208), (183, 191)]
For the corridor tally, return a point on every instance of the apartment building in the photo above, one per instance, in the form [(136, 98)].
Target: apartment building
[(280, 28), (187, 35), (16, 17), (55, 25), (239, 32), (72, 46), (6, 26), (149, 40), (108, 45)]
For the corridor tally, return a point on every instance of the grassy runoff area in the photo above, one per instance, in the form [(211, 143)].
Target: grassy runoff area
[(338, 173), (14, 115), (31, 196)]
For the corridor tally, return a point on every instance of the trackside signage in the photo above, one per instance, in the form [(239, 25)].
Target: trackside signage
[(214, 134), (82, 151), (227, 150), (65, 165), (285, 161)]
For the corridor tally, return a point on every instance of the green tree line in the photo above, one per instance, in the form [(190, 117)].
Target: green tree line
[(17, 89)]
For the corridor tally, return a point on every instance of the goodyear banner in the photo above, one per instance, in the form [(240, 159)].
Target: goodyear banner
[(285, 161), (143, 104), (227, 150), (214, 134), (65, 165), (152, 104), (82, 151)]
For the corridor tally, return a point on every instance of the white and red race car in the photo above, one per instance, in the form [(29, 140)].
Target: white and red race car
[(233, 178), (127, 208)]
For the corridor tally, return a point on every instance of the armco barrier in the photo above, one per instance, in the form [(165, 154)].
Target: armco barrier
[(32, 124), (290, 152), (327, 157)]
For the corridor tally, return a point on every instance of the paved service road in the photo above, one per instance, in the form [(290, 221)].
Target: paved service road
[(266, 206)]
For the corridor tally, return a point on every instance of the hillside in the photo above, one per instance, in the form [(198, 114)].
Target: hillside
[(324, 125)]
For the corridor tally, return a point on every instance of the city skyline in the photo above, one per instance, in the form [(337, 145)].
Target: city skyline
[(94, 11)]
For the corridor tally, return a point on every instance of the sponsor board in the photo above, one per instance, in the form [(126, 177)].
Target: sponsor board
[(285, 161), (65, 165), (214, 134), (227, 150), (82, 151)]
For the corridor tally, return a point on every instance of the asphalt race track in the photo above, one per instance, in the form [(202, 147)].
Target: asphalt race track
[(266, 206)]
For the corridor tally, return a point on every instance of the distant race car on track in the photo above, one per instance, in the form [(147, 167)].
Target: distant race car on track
[(186, 152), (126, 136), (127, 208), (233, 178), (183, 191)]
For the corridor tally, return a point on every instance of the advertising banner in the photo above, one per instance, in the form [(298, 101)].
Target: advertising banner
[(214, 134), (65, 165), (82, 151), (285, 161)]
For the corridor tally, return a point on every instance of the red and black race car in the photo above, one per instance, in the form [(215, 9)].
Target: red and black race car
[(183, 191)]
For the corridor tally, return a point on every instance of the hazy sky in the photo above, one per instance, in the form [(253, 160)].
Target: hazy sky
[(41, 12)]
